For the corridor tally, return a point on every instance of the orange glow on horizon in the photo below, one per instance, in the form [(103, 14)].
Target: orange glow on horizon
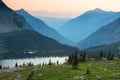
[(64, 6)]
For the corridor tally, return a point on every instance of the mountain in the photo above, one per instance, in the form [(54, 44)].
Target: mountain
[(54, 14), (113, 48), (54, 22), (44, 29), (10, 21), (18, 44), (107, 34), (82, 26), (18, 39)]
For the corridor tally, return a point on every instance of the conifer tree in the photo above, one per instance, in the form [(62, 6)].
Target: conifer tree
[(50, 63), (0, 66), (82, 56), (88, 71), (101, 55), (110, 56), (75, 61), (16, 65), (70, 59)]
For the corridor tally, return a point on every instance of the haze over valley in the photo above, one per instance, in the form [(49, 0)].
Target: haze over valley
[(70, 39)]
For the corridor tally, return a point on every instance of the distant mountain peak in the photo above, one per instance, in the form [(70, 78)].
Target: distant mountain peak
[(22, 10), (1, 1), (1, 4), (98, 10)]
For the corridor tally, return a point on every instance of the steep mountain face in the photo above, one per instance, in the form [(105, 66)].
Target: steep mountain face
[(81, 27), (18, 40), (16, 43), (44, 29), (113, 48), (54, 22), (9, 20), (105, 35)]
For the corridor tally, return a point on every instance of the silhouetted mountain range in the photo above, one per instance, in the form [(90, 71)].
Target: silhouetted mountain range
[(21, 33), (84, 25), (113, 48), (17, 38), (54, 22), (9, 20), (44, 29), (16, 43), (107, 34)]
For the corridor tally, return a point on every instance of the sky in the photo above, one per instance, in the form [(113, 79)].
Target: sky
[(63, 8)]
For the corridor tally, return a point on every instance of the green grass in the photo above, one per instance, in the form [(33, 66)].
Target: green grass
[(100, 70)]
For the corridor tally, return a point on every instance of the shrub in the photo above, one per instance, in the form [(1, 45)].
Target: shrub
[(88, 71), (0, 66)]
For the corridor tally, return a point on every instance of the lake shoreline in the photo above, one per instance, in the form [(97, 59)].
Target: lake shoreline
[(35, 61)]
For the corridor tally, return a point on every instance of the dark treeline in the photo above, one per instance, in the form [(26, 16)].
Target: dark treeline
[(76, 58), (21, 54), (30, 77), (82, 56), (43, 64), (0, 66), (49, 64)]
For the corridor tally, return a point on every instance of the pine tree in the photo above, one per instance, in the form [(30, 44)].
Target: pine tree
[(50, 63), (0, 66), (30, 77), (110, 56), (70, 59), (101, 55), (88, 71), (82, 56), (57, 62), (43, 64), (16, 65), (119, 56), (75, 61)]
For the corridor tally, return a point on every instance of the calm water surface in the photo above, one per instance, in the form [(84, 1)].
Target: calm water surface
[(36, 61)]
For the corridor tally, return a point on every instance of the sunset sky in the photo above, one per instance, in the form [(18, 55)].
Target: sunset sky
[(68, 8)]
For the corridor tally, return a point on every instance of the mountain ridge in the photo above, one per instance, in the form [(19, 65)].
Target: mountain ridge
[(8, 17), (82, 26), (18, 44), (39, 26), (54, 22), (18, 39), (113, 48), (107, 34)]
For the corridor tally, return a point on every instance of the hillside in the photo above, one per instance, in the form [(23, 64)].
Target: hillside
[(54, 22), (39, 26), (84, 25), (99, 70), (18, 40), (10, 21), (107, 34), (113, 48), (16, 43)]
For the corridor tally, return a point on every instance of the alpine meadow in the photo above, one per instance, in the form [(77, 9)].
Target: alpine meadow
[(59, 40)]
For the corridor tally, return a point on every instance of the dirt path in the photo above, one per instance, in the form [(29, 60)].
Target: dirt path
[(17, 76), (10, 70)]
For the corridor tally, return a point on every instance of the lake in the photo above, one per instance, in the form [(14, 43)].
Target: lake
[(36, 61)]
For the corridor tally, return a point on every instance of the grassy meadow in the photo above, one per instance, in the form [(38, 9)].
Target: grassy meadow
[(98, 70)]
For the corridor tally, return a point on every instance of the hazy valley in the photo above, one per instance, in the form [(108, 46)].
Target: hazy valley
[(86, 47)]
